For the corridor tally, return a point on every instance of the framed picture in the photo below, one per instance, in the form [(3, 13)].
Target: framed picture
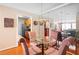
[(35, 22), (8, 22)]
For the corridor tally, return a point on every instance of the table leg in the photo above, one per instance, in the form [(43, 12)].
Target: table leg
[(42, 49)]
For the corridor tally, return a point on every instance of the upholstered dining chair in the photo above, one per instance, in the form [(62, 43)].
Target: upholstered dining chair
[(32, 36), (32, 50), (28, 46), (63, 47)]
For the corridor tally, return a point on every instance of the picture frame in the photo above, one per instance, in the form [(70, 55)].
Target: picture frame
[(8, 22)]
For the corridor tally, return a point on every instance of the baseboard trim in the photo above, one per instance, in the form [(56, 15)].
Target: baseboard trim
[(8, 48)]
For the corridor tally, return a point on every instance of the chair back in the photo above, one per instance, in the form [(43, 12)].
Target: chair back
[(24, 46), (32, 36), (65, 44), (27, 38)]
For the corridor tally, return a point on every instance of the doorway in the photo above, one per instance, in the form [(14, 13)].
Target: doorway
[(24, 24)]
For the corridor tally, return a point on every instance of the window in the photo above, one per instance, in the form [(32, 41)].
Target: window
[(67, 26), (73, 25)]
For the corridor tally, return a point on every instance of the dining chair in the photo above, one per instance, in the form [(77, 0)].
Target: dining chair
[(62, 49), (32, 50)]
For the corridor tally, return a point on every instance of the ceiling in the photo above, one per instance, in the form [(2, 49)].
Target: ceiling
[(34, 8), (47, 10)]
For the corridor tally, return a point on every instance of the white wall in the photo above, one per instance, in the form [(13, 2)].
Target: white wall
[(39, 29), (8, 35)]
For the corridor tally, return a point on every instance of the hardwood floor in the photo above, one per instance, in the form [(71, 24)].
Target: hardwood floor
[(13, 51), (19, 51)]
